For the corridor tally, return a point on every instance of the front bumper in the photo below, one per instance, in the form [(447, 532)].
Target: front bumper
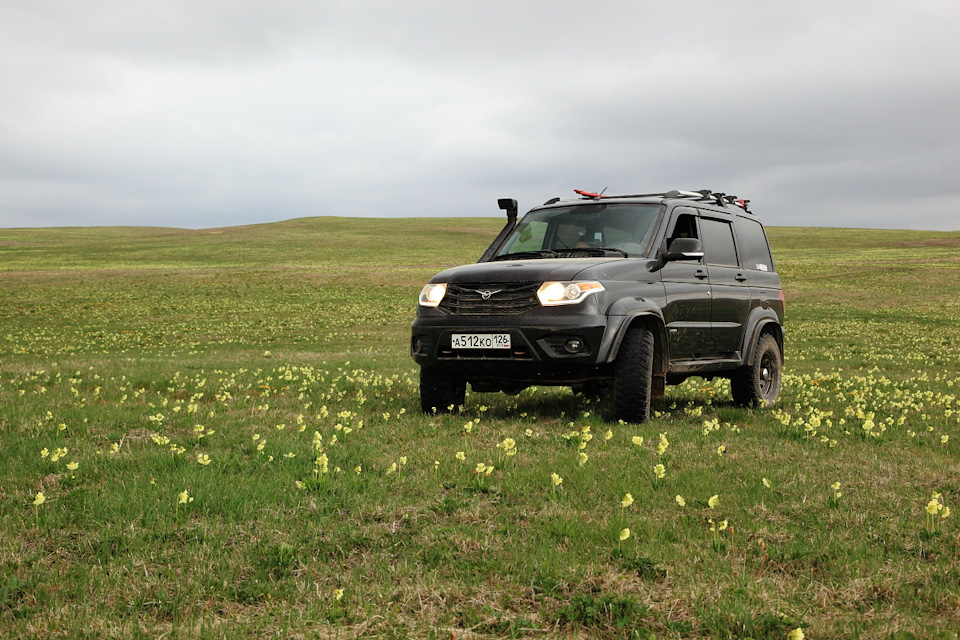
[(542, 348)]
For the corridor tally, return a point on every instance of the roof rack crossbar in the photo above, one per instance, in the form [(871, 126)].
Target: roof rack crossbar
[(703, 195)]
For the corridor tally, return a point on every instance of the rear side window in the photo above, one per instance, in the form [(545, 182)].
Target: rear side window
[(718, 242), (754, 248)]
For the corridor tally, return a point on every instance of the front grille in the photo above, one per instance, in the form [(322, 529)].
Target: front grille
[(503, 299)]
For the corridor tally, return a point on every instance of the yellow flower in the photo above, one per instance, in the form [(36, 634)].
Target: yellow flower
[(183, 497), (933, 507), (300, 485), (72, 466), (203, 459), (624, 534), (681, 501), (721, 450), (557, 480), (659, 471), (627, 501), (358, 469), (945, 513), (944, 439), (608, 434), (461, 456), (796, 634), (664, 443), (338, 594), (481, 467), (582, 458), (766, 482), (44, 452), (713, 501), (637, 440), (39, 499)]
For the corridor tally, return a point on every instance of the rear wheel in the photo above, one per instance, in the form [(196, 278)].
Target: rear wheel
[(758, 383), (633, 377), (440, 392)]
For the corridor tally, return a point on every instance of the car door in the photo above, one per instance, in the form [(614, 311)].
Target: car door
[(759, 271), (728, 284), (687, 289)]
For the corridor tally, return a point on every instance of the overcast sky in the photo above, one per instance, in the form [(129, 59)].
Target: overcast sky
[(201, 114)]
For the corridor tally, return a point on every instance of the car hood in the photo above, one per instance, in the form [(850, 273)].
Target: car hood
[(533, 270)]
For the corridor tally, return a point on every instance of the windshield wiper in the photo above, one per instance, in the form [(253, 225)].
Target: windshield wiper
[(598, 251), (527, 255)]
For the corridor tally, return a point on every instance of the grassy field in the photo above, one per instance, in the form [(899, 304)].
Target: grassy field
[(215, 434)]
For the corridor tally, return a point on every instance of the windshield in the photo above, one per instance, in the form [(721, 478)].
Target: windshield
[(600, 229)]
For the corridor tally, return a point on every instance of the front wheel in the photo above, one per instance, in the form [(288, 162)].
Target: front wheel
[(440, 392), (633, 377), (758, 383)]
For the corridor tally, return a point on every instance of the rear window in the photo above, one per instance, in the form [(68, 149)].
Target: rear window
[(754, 249)]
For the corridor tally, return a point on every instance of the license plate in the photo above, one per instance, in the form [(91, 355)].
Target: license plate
[(480, 341)]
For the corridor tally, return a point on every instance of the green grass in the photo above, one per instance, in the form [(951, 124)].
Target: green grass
[(280, 351)]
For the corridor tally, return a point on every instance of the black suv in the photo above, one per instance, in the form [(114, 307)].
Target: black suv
[(627, 293)]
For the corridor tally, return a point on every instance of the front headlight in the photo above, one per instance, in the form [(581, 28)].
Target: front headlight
[(432, 294), (554, 293)]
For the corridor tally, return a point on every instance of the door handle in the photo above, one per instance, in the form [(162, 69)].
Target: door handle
[(700, 274), (741, 278)]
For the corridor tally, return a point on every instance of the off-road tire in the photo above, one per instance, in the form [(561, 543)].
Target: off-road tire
[(440, 392), (633, 377), (758, 383)]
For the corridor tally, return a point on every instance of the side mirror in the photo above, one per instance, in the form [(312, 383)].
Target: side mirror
[(684, 249)]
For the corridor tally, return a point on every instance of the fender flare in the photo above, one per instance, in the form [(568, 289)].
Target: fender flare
[(760, 321), (626, 313)]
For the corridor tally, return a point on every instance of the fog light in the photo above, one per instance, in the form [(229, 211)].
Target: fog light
[(573, 345)]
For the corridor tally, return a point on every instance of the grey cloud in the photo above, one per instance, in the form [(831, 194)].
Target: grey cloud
[(209, 113)]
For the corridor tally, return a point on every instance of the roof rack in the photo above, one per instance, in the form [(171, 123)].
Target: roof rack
[(706, 195), (703, 195)]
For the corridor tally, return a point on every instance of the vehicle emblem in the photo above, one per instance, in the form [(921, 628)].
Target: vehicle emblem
[(487, 293)]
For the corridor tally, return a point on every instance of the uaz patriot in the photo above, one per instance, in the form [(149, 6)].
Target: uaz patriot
[(608, 294)]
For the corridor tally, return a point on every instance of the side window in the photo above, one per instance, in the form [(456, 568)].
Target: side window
[(684, 227), (718, 242), (754, 249)]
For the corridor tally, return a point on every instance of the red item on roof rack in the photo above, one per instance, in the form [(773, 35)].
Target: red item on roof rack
[(587, 194)]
